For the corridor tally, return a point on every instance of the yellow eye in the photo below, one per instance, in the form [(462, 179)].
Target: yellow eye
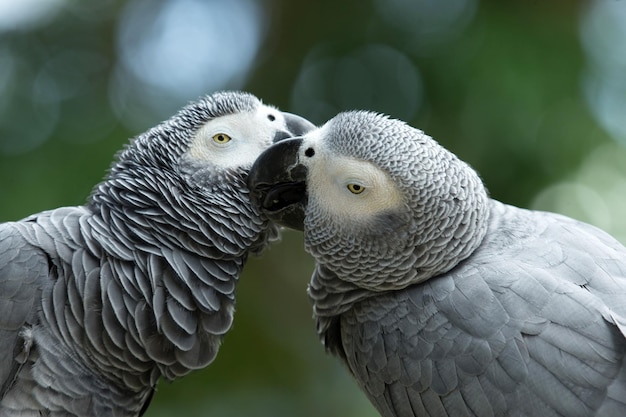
[(221, 138), (356, 188)]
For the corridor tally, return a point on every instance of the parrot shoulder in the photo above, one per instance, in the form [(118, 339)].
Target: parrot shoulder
[(538, 305)]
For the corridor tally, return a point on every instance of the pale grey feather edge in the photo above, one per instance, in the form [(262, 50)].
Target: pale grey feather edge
[(23, 270), (103, 280), (176, 303), (538, 312)]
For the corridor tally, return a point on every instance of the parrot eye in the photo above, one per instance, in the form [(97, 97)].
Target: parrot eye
[(271, 117), (356, 188), (221, 138)]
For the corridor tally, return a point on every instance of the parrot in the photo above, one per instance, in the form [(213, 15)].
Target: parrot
[(438, 299), (100, 301)]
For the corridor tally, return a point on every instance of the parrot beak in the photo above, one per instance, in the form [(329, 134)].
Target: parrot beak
[(296, 126), (277, 183)]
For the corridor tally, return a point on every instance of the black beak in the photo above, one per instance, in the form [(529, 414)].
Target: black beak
[(277, 183), (296, 126)]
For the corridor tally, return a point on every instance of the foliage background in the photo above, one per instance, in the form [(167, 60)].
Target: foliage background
[(531, 93)]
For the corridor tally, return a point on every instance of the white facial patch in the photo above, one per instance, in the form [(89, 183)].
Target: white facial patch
[(243, 137), (347, 187)]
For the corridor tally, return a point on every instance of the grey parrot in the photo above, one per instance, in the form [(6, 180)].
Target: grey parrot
[(439, 300), (98, 302)]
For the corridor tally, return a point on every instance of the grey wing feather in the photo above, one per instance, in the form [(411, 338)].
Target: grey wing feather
[(23, 269), (537, 329)]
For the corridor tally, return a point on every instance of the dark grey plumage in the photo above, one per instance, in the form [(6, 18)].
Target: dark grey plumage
[(439, 300), (98, 302)]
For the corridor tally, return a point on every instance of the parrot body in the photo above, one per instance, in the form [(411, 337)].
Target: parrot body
[(439, 300), (98, 302)]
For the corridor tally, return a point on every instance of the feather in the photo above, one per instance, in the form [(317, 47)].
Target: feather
[(99, 302), (440, 300)]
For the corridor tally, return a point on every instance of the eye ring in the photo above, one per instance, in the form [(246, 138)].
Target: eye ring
[(221, 138), (355, 188)]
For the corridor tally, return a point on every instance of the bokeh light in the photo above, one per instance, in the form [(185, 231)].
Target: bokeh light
[(603, 36), (375, 77), (595, 193), (426, 25), (170, 51), (26, 14), (530, 93)]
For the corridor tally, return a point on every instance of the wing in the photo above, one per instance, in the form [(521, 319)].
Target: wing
[(528, 328), (23, 269), (331, 298)]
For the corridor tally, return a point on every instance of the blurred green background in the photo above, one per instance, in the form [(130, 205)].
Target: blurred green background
[(531, 93)]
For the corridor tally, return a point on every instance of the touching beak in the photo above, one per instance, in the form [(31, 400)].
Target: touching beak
[(277, 183), (296, 126)]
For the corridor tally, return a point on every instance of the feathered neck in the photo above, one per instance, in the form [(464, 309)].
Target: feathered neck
[(450, 216), (145, 208), (177, 250)]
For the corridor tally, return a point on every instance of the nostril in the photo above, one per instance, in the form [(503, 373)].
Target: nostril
[(309, 152)]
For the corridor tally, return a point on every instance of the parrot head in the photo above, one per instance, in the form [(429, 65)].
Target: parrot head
[(221, 132), (189, 173), (372, 193)]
